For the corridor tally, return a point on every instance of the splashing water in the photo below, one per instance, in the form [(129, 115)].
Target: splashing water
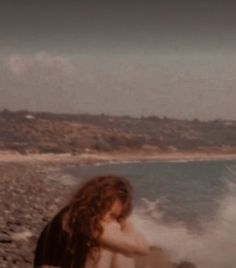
[(213, 247), (186, 208)]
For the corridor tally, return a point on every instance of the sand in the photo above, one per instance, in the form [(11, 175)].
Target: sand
[(138, 156)]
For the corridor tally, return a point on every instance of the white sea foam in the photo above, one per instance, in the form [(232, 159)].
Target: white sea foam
[(214, 247)]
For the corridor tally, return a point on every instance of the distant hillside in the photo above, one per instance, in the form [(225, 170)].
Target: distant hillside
[(28, 132)]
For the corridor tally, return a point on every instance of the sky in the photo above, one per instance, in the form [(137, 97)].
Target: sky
[(172, 58)]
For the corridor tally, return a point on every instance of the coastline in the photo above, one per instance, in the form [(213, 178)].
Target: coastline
[(32, 191)]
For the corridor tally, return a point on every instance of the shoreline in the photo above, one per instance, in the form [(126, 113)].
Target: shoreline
[(31, 196), (115, 157), (32, 191)]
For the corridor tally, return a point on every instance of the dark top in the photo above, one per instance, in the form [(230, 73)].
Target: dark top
[(52, 245)]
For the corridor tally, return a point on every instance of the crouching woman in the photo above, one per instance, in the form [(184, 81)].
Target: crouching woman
[(93, 230)]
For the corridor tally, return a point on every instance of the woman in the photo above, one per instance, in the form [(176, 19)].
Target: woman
[(93, 230)]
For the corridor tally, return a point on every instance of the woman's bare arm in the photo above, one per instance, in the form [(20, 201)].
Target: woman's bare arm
[(123, 238)]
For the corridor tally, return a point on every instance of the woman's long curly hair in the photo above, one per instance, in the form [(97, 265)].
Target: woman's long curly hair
[(90, 203)]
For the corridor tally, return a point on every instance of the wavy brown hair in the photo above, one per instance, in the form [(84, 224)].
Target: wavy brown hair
[(73, 233), (91, 202)]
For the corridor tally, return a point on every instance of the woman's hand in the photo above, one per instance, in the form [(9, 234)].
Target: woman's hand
[(123, 238), (128, 227)]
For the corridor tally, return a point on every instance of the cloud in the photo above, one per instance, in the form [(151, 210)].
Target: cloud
[(22, 66), (174, 85), (39, 81)]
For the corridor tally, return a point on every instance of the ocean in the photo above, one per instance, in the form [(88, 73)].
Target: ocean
[(188, 208)]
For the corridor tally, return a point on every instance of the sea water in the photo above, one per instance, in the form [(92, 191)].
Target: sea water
[(186, 208)]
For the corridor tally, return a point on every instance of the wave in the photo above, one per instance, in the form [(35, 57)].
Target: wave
[(213, 247)]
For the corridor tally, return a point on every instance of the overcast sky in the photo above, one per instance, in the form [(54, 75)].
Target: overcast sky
[(166, 58)]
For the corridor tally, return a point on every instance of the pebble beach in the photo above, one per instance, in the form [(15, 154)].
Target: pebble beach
[(28, 200), (30, 195)]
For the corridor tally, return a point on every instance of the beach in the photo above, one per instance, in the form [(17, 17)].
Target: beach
[(28, 201), (115, 156), (31, 193)]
